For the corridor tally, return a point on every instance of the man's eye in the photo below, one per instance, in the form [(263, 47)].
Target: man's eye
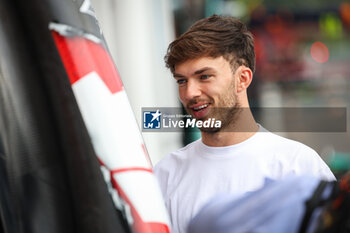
[(180, 81), (205, 76)]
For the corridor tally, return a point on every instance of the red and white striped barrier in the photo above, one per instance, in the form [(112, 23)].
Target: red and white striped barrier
[(113, 130)]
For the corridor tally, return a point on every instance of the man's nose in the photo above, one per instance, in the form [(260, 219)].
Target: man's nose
[(193, 90)]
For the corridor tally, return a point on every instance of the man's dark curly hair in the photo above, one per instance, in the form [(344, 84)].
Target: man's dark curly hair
[(214, 36)]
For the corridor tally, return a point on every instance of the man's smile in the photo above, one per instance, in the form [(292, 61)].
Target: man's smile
[(199, 110)]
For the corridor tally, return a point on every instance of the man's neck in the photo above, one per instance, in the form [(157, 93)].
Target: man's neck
[(244, 127)]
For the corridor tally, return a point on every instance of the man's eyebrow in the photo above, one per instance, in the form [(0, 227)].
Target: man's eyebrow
[(178, 76), (195, 73), (202, 70)]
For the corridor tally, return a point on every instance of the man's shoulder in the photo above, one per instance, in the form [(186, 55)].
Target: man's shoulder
[(283, 143), (301, 158), (293, 147), (288, 149)]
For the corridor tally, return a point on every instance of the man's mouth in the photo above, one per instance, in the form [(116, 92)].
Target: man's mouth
[(201, 107), (199, 110)]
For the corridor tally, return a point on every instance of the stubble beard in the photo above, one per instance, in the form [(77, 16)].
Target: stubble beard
[(228, 115), (227, 112)]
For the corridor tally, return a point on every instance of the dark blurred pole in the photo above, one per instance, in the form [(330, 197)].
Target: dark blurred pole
[(50, 177)]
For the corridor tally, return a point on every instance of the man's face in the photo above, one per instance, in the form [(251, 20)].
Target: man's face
[(207, 88)]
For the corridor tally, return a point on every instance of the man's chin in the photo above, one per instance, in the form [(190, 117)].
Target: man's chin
[(202, 117), (210, 130)]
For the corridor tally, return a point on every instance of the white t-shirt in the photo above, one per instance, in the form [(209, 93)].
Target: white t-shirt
[(191, 176)]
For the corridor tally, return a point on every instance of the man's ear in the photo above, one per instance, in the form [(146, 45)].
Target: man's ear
[(244, 78)]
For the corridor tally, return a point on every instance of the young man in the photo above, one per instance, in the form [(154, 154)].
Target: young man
[(213, 64)]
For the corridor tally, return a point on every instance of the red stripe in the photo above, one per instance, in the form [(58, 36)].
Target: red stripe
[(101, 162), (129, 169), (81, 56), (139, 226)]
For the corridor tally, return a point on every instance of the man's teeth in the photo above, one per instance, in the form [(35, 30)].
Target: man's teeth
[(201, 107)]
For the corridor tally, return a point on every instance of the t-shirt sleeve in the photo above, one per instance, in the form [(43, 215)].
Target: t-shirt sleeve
[(307, 161)]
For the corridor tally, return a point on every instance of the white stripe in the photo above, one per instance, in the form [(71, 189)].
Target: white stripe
[(142, 196), (111, 124)]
